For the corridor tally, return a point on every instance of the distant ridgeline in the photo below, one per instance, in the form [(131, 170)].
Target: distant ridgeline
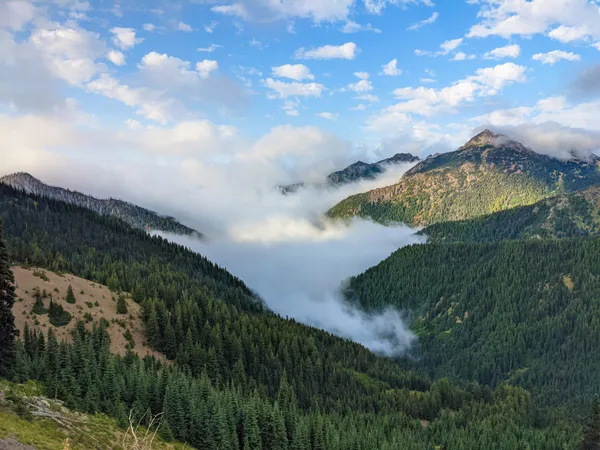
[(134, 215), (242, 377), (490, 173), (356, 172)]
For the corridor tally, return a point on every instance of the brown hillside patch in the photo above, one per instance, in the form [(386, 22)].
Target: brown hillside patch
[(93, 294)]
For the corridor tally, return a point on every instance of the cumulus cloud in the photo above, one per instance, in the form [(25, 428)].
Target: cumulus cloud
[(565, 20), (555, 56), (353, 27), (349, 50), (125, 38), (116, 57), (508, 51), (391, 69), (461, 56), (429, 102), (293, 89), (297, 72), (363, 85)]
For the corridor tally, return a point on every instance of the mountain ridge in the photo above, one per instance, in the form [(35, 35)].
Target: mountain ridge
[(489, 173), (357, 171), (134, 215)]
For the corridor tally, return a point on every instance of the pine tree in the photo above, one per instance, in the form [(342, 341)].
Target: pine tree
[(121, 305), (8, 330), (70, 296), (591, 439)]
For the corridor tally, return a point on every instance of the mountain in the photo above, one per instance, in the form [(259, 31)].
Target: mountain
[(489, 173), (566, 215), (522, 312), (240, 377), (134, 215), (355, 172)]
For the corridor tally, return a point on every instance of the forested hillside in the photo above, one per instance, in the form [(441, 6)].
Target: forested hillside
[(242, 377), (132, 214), (526, 312), (566, 215), (490, 173)]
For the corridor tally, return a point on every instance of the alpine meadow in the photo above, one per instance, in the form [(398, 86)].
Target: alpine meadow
[(300, 225)]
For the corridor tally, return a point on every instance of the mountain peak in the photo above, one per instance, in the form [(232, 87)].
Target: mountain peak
[(486, 137)]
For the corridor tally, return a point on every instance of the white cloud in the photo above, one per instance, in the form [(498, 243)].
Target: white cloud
[(182, 26), (391, 69), (209, 28), (377, 6), (353, 27), (268, 10), (446, 47), (236, 10), (15, 14), (116, 57), (565, 20), (461, 56), (430, 102), (596, 45), (296, 72), (368, 98), (211, 48), (427, 80), (133, 124), (328, 115), (360, 107), (70, 53), (554, 56), (567, 34), (348, 50), (294, 89), (450, 45), (422, 23), (148, 103), (205, 67), (171, 69), (125, 38), (150, 27), (505, 117), (508, 51), (364, 85)]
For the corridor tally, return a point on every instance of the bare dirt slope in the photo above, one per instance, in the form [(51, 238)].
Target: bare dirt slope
[(92, 298)]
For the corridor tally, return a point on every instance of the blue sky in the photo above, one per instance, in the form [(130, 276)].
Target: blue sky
[(210, 76)]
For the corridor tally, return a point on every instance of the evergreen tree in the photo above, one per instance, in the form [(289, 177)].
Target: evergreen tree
[(70, 296), (8, 330), (121, 305)]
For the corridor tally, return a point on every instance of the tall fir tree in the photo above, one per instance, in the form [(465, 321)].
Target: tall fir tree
[(8, 330)]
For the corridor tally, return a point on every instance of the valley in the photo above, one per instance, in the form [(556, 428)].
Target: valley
[(485, 325)]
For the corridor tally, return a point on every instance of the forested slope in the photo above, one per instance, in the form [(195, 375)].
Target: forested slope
[(134, 215), (488, 174), (526, 312), (566, 215), (242, 377)]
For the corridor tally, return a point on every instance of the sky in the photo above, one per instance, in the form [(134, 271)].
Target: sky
[(200, 108)]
